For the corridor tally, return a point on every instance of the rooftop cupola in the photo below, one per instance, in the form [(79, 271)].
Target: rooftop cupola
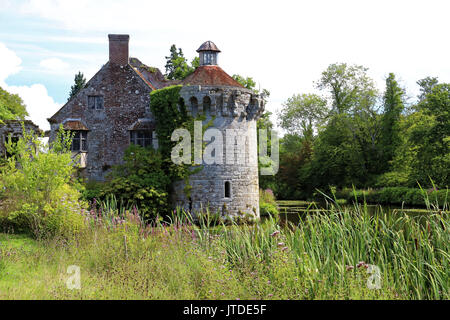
[(208, 52)]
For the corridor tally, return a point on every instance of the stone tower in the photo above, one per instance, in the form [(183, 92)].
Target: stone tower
[(231, 186)]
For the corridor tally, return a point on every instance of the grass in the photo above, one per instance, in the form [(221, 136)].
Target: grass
[(326, 256)]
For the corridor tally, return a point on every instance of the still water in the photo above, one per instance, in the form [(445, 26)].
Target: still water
[(295, 211)]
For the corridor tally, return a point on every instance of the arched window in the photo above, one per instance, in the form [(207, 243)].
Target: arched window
[(206, 105), (227, 189), (194, 106)]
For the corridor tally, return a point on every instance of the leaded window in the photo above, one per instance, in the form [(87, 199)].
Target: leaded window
[(95, 102), (79, 141), (142, 138)]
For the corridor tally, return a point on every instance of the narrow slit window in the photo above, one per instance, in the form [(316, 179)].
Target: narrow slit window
[(227, 189)]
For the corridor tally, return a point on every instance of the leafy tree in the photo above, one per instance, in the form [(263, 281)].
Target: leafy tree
[(430, 136), (80, 82), (426, 86), (177, 67), (350, 87), (353, 98), (11, 106), (390, 130), (302, 113)]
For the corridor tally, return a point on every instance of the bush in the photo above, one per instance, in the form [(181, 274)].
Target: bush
[(38, 187), (141, 182), (267, 204)]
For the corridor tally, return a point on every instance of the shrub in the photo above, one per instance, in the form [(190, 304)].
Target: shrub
[(38, 187), (141, 182), (267, 204)]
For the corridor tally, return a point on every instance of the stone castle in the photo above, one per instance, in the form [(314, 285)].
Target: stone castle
[(113, 110)]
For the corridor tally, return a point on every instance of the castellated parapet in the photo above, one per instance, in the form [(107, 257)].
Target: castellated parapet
[(230, 187)]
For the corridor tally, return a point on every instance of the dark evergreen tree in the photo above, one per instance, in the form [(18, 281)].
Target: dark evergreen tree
[(80, 81), (177, 67), (390, 130)]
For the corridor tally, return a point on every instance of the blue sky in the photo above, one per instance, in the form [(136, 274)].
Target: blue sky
[(283, 45)]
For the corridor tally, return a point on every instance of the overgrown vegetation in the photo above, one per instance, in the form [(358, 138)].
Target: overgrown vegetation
[(37, 189), (11, 106), (327, 256), (355, 136)]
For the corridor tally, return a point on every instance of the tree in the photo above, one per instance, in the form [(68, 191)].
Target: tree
[(177, 67), (11, 106), (349, 87), (426, 86), (80, 82), (390, 130), (302, 113), (353, 98)]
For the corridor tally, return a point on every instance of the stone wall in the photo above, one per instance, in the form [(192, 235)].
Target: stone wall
[(126, 100), (14, 129), (231, 108)]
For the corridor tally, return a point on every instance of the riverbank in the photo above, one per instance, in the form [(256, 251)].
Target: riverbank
[(346, 254)]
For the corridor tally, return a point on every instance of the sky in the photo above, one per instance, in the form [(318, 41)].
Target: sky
[(283, 45)]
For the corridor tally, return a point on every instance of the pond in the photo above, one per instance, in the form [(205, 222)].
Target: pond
[(294, 211)]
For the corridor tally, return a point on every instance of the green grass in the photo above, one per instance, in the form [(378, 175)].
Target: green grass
[(318, 259)]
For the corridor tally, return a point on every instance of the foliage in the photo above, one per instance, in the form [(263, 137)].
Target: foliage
[(303, 113), (365, 140), (396, 196), (177, 67), (11, 106), (249, 83), (79, 84), (140, 182), (326, 257), (390, 128), (38, 187), (267, 204)]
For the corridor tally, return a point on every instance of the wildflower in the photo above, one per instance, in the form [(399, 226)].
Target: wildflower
[(348, 268), (360, 264), (275, 233), (270, 295), (280, 244), (284, 248)]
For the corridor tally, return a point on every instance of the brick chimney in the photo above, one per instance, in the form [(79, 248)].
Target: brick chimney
[(118, 49)]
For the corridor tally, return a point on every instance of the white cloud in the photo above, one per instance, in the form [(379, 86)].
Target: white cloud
[(39, 104), (9, 63), (54, 65), (283, 45)]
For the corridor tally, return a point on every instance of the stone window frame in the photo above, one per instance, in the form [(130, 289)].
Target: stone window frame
[(230, 195), (146, 139), (83, 140), (96, 105)]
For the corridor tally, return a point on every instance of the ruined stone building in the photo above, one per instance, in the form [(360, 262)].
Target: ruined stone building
[(13, 129), (113, 110)]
